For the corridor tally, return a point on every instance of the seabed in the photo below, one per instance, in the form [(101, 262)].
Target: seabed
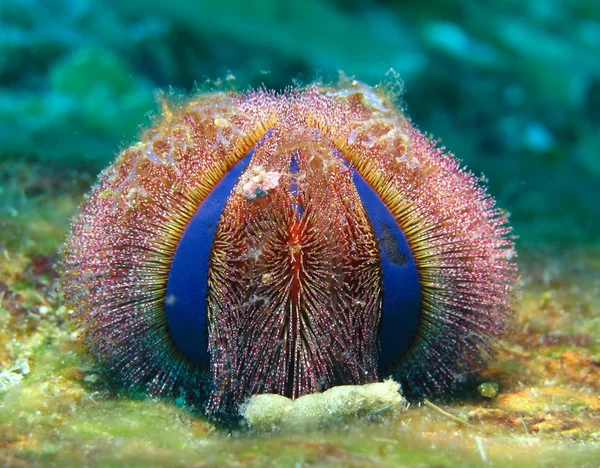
[(55, 407)]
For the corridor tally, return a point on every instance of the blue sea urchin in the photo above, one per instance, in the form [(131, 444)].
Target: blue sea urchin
[(286, 243)]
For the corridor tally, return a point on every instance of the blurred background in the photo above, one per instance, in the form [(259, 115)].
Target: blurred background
[(511, 87)]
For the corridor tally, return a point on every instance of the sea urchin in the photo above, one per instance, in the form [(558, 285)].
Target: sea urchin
[(287, 243)]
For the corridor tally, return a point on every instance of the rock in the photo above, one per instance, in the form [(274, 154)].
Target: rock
[(337, 405)]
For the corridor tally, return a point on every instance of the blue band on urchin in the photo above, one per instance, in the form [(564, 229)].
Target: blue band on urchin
[(401, 287), (185, 299)]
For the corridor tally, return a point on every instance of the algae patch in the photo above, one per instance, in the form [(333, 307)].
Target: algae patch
[(340, 404)]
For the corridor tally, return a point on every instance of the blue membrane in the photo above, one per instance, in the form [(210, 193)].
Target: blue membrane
[(295, 169), (401, 288), (185, 299)]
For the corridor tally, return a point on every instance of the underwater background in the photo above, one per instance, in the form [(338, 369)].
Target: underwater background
[(512, 88)]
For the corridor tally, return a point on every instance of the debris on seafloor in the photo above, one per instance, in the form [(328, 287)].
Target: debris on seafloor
[(342, 404)]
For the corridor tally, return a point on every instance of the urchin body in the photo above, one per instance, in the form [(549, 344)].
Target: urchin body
[(287, 243)]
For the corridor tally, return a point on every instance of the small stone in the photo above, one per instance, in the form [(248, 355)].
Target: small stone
[(266, 412), (341, 404), (488, 389), (91, 378), (21, 366), (8, 379)]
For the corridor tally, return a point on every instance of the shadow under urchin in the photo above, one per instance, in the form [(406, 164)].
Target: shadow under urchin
[(286, 243)]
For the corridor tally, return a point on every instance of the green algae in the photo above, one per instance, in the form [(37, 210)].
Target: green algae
[(105, 89)]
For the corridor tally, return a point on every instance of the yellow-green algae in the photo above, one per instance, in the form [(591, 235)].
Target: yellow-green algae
[(55, 408)]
